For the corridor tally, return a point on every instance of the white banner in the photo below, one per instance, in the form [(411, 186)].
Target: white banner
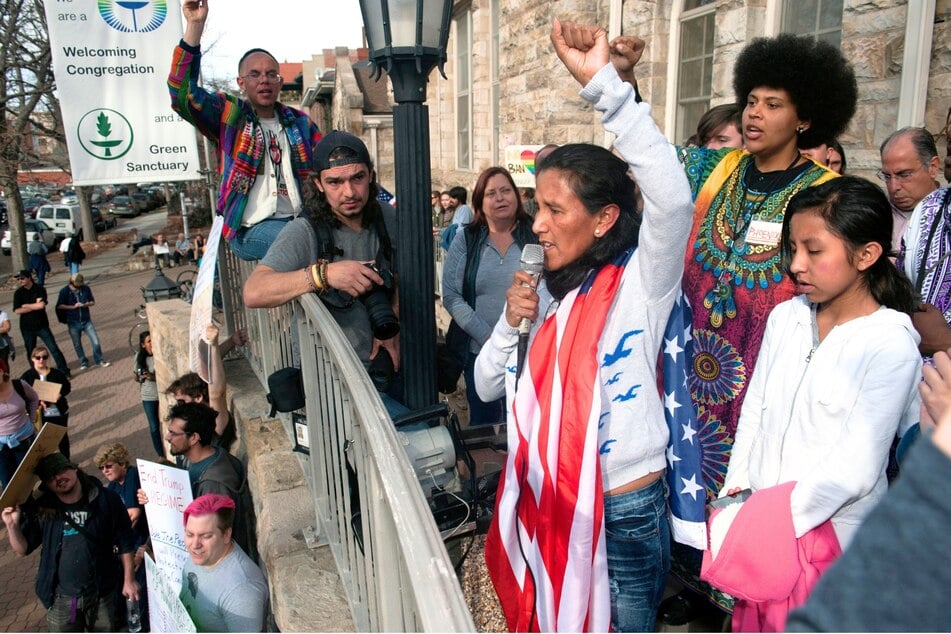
[(202, 305), (111, 60), (167, 613), (169, 492)]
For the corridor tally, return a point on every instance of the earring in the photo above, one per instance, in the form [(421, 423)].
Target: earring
[(597, 232), (800, 130)]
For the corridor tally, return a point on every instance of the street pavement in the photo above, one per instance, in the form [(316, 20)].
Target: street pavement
[(104, 404)]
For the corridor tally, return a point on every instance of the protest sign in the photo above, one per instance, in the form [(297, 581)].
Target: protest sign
[(169, 492), (167, 613)]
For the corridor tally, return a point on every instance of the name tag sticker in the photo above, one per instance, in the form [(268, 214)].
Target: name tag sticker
[(765, 233)]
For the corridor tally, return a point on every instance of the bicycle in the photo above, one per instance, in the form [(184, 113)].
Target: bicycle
[(140, 326), (186, 282)]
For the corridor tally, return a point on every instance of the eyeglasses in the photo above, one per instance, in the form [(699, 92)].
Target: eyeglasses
[(108, 465), (900, 177), (41, 357), (176, 433), (256, 76)]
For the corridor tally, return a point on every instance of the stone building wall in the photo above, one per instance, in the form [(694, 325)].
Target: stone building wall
[(539, 102)]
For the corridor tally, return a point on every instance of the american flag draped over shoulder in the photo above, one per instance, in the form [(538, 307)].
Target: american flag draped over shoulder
[(688, 496), (545, 550), (385, 196)]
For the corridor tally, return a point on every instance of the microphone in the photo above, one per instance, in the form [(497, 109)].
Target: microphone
[(531, 261)]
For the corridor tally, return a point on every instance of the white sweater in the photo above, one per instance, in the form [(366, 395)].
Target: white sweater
[(633, 435), (827, 423)]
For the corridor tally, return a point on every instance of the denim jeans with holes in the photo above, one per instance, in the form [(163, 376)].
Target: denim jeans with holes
[(638, 548)]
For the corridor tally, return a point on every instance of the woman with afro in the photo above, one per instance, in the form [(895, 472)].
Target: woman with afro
[(733, 275)]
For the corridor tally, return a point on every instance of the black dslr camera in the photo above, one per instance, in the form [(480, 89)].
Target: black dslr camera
[(377, 302)]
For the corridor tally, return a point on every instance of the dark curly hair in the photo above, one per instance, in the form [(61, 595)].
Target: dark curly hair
[(315, 202), (816, 75)]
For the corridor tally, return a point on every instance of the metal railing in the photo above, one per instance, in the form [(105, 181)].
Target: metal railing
[(369, 504)]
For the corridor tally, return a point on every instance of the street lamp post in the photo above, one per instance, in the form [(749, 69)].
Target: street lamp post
[(408, 38)]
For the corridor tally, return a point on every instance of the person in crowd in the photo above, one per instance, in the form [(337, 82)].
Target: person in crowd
[(891, 579), (75, 299), (837, 162), (143, 367), (442, 211), (191, 428), (191, 388), (924, 257), (38, 263), (199, 248), (265, 148), (136, 243), (327, 251), (56, 412), (478, 269), (543, 153), (719, 127), (80, 526), (161, 250), (601, 306), (73, 254), (527, 195), (18, 405), (29, 302), (732, 269), (7, 349), (838, 368), (222, 589), (183, 250), (461, 212), (910, 166), (122, 478)]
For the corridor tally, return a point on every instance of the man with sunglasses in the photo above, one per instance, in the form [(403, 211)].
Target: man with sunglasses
[(264, 147), (909, 169)]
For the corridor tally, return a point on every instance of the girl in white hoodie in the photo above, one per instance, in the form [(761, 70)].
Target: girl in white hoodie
[(839, 366)]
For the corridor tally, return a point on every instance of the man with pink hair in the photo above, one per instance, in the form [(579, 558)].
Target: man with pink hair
[(222, 589)]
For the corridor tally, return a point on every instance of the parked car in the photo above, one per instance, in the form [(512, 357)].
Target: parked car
[(102, 221), (144, 200), (123, 206), (65, 219), (32, 228), (30, 205), (158, 196), (70, 197)]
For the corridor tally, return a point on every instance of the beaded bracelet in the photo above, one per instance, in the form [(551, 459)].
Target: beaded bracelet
[(310, 281), (315, 279)]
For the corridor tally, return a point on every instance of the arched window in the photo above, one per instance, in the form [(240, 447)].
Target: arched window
[(695, 65), (822, 19)]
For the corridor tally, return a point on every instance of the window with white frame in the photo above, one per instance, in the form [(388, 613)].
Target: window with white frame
[(695, 66), (463, 42), (822, 19)]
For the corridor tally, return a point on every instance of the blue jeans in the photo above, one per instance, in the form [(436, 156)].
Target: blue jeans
[(251, 243), (480, 412), (638, 548), (73, 268), (10, 459), (155, 430), (29, 342), (76, 329)]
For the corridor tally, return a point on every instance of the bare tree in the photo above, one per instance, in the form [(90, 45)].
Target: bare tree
[(29, 109)]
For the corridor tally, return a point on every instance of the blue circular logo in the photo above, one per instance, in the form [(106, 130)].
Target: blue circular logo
[(133, 16)]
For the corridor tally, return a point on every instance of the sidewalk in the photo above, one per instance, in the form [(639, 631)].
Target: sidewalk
[(104, 405)]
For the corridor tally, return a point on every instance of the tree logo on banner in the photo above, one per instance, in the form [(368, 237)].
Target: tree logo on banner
[(105, 134), (126, 15)]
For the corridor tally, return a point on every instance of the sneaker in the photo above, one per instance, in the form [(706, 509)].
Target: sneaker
[(83, 367), (104, 364)]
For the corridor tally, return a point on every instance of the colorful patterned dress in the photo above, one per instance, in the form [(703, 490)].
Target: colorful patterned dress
[(733, 277)]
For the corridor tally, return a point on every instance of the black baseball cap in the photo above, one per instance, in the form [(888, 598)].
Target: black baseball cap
[(337, 139), (52, 465), (25, 273)]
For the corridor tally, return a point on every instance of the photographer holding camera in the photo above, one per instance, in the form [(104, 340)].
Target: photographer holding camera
[(340, 248)]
